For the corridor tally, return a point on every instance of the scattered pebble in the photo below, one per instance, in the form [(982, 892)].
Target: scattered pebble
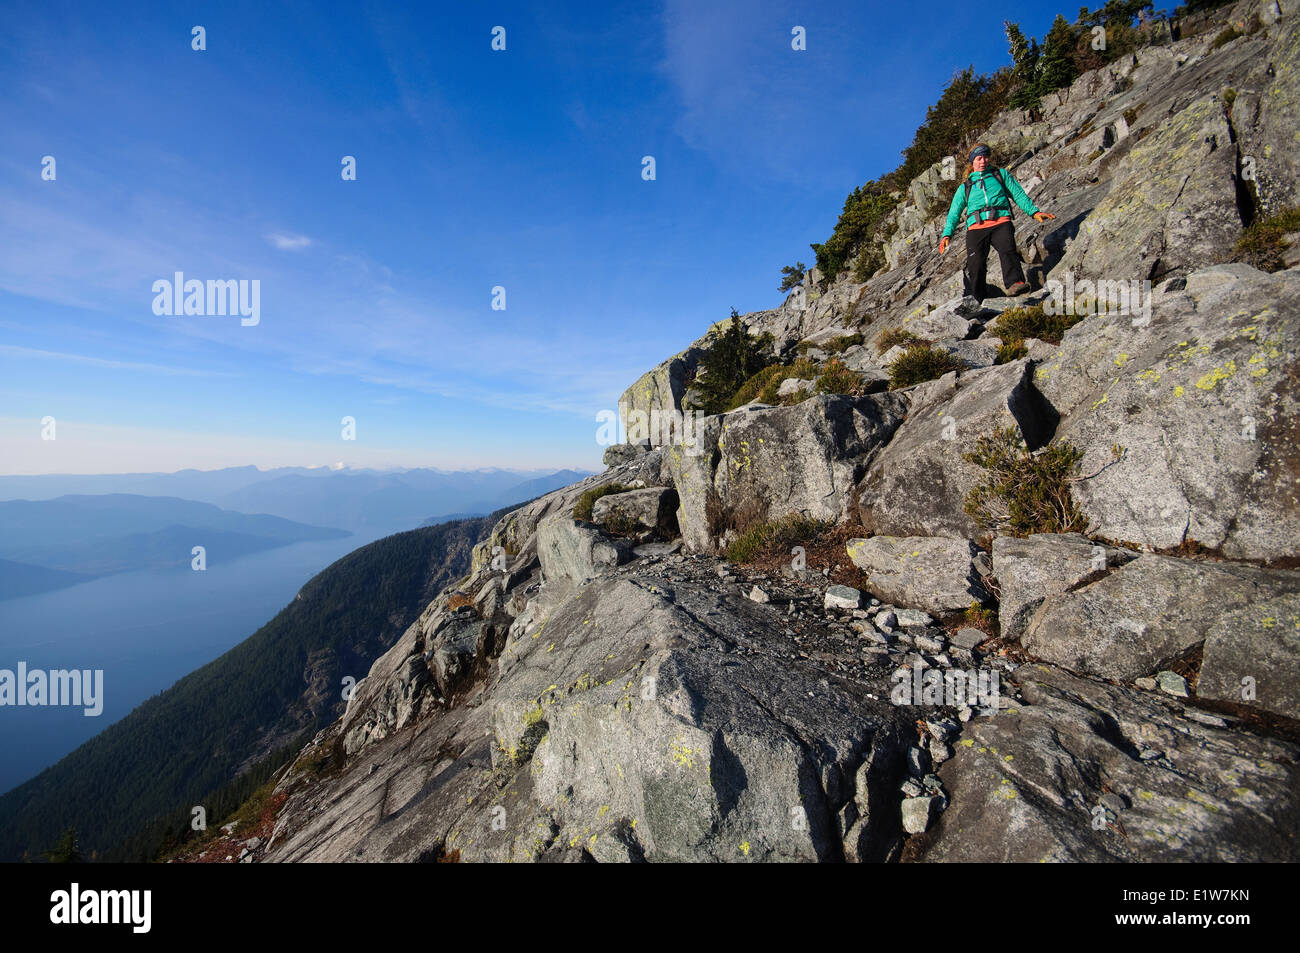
[(1172, 683)]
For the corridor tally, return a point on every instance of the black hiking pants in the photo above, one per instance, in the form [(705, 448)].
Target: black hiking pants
[(1003, 238)]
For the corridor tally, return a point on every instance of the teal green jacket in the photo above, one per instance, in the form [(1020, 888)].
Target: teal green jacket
[(987, 200)]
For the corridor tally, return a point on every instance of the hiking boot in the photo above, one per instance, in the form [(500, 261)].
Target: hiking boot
[(1019, 288)]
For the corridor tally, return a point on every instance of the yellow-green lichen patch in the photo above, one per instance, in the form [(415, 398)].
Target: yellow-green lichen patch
[(1222, 373), (682, 754)]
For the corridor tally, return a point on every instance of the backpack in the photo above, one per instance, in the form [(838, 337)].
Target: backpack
[(997, 174)]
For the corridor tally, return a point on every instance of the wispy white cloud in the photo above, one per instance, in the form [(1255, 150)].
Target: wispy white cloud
[(289, 242), (30, 352)]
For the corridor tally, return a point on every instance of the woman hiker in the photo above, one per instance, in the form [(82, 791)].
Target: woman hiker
[(984, 199)]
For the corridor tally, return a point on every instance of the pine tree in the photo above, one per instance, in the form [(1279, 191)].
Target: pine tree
[(1024, 54), (1056, 66), (792, 276), (733, 359)]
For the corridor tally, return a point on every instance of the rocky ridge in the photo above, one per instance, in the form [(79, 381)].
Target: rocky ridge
[(615, 690)]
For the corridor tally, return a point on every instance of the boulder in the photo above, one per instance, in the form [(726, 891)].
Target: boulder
[(1252, 656), (940, 324), (917, 485), (1025, 788), (763, 464), (629, 728), (1145, 613), (573, 552), (458, 645), (621, 453), (930, 573), (1203, 400), (652, 508), (793, 385), (1031, 569), (980, 352)]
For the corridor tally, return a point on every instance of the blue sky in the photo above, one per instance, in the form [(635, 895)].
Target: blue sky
[(475, 169)]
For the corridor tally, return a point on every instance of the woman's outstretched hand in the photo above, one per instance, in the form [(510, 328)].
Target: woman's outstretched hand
[(943, 245), (1043, 216)]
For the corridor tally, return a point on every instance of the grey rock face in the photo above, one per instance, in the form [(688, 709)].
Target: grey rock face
[(1146, 613), (930, 573), (917, 485), (652, 508), (628, 729), (622, 453), (1158, 218), (458, 644), (1028, 570), (1252, 656), (1024, 786), (1204, 401), (573, 552), (764, 464)]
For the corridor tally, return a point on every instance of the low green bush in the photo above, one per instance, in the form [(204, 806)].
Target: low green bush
[(1024, 493), (921, 362), (582, 508), (893, 337), (1010, 351), (775, 536), (838, 379), (1263, 244), (1017, 324)]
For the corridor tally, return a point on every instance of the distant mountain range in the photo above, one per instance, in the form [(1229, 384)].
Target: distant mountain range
[(318, 496), (218, 729)]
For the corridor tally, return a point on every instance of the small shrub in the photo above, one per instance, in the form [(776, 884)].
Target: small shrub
[(1095, 155), (620, 524), (979, 617), (921, 362), (1011, 351), (1017, 324), (1263, 243), (1024, 492), (458, 600), (764, 385), (1131, 114), (871, 258), (842, 343), (838, 379), (582, 509), (1230, 33), (753, 387), (895, 336), (1229, 97), (773, 536)]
